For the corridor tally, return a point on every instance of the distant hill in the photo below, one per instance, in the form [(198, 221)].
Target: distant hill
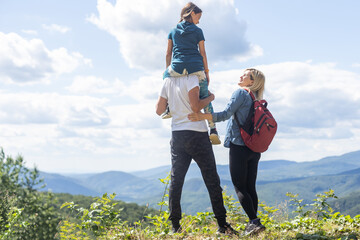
[(348, 205), (60, 184), (342, 183), (275, 178), (274, 170), (325, 166)]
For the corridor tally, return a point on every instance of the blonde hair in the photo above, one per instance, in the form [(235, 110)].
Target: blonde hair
[(258, 86), (187, 10)]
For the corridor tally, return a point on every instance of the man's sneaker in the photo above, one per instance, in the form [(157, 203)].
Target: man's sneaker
[(214, 137), (176, 229), (166, 114), (254, 228), (227, 229)]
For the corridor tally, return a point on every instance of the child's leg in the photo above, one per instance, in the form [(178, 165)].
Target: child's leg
[(214, 136), (204, 93), (166, 114)]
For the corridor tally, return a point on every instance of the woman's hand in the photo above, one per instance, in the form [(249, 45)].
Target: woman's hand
[(200, 116), (196, 117)]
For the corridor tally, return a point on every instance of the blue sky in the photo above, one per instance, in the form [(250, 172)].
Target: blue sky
[(79, 79)]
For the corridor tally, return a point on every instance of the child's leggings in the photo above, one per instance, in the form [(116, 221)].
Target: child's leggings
[(204, 92)]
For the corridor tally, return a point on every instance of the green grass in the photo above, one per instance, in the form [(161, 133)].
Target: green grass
[(315, 220)]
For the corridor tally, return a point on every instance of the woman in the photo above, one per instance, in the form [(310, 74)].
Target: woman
[(243, 161)]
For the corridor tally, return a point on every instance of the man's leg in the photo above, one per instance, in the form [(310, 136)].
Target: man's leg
[(202, 152), (180, 161)]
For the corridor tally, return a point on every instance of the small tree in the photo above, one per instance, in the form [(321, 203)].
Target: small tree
[(38, 219)]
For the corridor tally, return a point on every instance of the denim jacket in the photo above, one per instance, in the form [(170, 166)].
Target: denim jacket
[(240, 103)]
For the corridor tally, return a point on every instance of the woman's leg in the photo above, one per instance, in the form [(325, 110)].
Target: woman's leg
[(240, 157), (251, 180)]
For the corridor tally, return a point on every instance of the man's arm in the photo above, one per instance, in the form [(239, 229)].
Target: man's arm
[(195, 102), (161, 105)]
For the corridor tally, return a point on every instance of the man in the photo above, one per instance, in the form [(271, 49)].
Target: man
[(190, 140)]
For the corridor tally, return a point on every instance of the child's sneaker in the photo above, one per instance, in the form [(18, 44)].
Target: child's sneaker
[(166, 114), (214, 137)]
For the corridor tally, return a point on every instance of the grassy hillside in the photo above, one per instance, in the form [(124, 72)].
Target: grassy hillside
[(318, 222), (26, 213)]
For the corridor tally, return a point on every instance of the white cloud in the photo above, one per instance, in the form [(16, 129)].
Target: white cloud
[(28, 61), (93, 84), (55, 28), (311, 102), (31, 108), (145, 88), (30, 32), (141, 28), (139, 90), (356, 65)]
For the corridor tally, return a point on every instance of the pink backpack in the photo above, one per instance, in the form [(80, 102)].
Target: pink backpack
[(260, 126)]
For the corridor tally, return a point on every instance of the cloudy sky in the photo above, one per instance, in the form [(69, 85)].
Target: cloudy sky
[(79, 79)]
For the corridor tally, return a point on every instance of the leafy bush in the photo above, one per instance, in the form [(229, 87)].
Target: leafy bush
[(27, 214), (24, 212), (309, 221)]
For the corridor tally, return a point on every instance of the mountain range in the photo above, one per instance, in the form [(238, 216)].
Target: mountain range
[(275, 179)]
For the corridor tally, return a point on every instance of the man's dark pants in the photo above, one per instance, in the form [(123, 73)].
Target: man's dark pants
[(185, 146)]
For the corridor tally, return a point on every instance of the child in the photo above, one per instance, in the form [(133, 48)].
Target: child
[(186, 55)]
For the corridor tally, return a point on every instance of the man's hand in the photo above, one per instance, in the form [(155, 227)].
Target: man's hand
[(212, 96)]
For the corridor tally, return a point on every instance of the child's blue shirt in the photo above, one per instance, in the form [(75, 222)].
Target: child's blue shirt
[(186, 55)]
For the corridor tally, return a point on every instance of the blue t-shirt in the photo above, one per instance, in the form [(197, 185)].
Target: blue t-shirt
[(185, 38)]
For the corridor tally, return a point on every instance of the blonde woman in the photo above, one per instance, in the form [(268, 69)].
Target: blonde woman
[(243, 162)]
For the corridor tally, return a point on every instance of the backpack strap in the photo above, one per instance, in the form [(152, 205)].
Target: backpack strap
[(250, 93)]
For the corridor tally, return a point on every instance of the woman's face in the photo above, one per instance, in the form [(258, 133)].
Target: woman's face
[(245, 80), (195, 17)]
